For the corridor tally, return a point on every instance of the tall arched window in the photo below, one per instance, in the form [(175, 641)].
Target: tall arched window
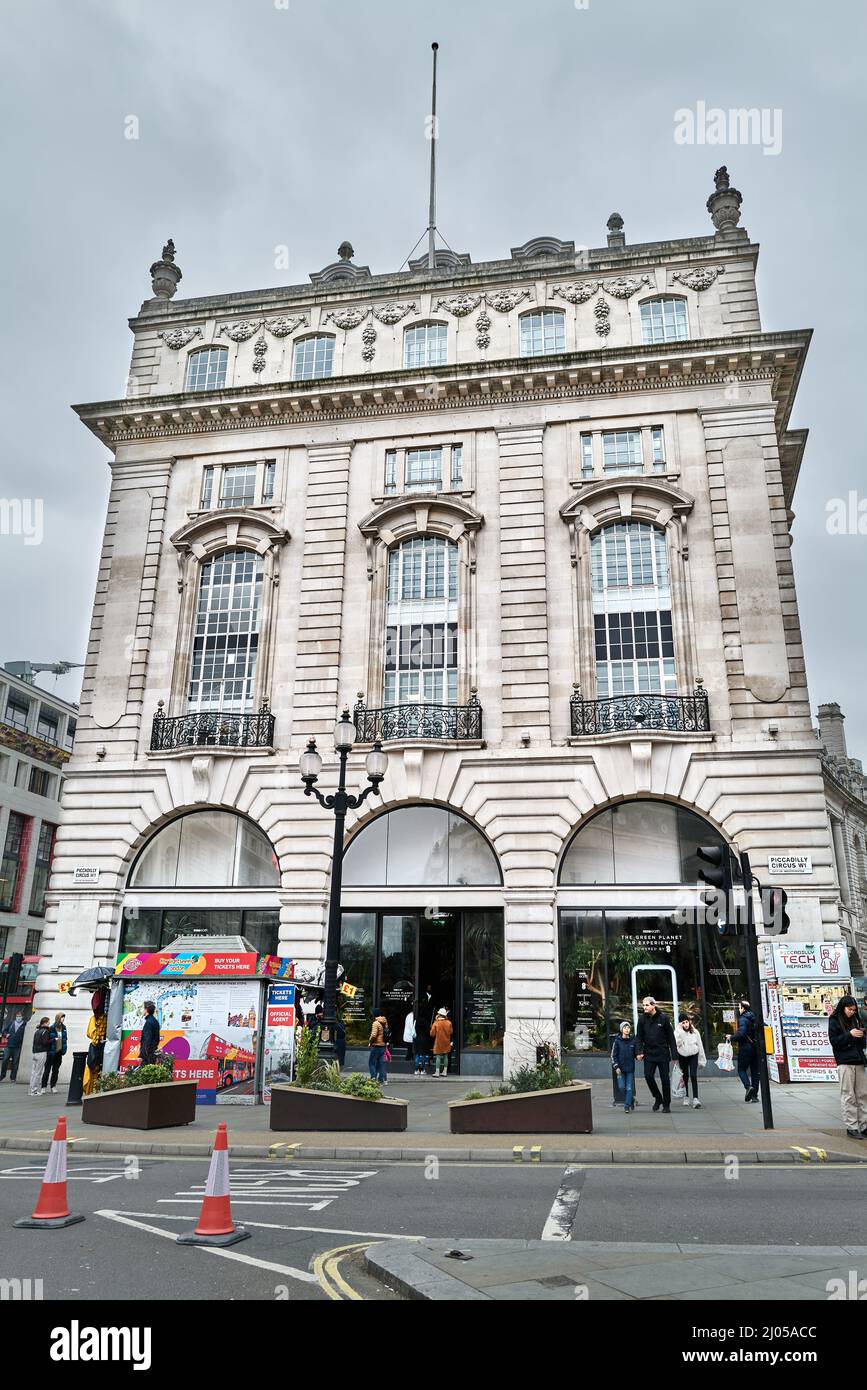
[(226, 633), (664, 320), (206, 369), (421, 628), (425, 345), (313, 357), (631, 596), (543, 331)]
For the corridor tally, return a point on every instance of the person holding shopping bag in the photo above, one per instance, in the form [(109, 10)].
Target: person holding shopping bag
[(690, 1055), (623, 1059)]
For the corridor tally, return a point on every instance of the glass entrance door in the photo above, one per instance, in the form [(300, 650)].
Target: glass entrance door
[(438, 969)]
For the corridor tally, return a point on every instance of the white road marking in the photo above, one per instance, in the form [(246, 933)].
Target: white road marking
[(302, 1275), (85, 1173), (247, 1202), (278, 1226), (561, 1217)]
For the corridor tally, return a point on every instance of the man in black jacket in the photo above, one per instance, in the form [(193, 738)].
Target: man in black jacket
[(150, 1034), (657, 1049)]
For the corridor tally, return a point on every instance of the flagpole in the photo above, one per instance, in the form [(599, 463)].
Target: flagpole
[(431, 227)]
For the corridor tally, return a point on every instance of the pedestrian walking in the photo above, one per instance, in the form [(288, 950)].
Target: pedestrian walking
[(380, 1036), (748, 1056), (423, 1019), (623, 1058), (57, 1041), (441, 1031), (657, 1049), (690, 1055), (150, 1035), (14, 1043), (846, 1034), (409, 1033), (41, 1040)]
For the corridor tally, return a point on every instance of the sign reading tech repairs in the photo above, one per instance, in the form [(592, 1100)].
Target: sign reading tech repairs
[(808, 960)]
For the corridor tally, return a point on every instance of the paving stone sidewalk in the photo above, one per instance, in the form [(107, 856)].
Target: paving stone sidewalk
[(569, 1271), (807, 1120)]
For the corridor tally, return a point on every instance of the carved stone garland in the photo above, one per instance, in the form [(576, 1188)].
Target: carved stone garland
[(698, 279), (351, 318), (483, 330), (602, 311), (178, 338), (459, 305)]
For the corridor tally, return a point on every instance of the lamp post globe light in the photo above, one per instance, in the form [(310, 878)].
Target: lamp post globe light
[(340, 801)]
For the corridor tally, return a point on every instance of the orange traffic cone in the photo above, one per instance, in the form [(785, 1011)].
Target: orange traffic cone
[(52, 1209), (216, 1226)]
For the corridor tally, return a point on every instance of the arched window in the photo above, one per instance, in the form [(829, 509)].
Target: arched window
[(421, 625), (206, 369), (543, 331), (638, 842), (313, 357), (664, 320), (631, 597), (207, 849), (226, 633), (425, 345), (420, 845)]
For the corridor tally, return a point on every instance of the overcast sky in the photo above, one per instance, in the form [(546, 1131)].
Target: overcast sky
[(264, 123)]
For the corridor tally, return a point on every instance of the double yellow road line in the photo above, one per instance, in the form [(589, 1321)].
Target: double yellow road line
[(326, 1267)]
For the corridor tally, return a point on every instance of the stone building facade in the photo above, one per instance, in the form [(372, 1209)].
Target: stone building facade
[(529, 518), (846, 798)]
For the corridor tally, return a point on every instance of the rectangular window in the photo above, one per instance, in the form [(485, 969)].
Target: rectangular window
[(457, 466), (423, 470), (391, 470), (206, 369), (663, 320), (587, 454), (33, 943), (41, 870), (543, 332), (11, 864), (40, 781), (22, 775), (207, 488), (268, 481), (238, 485), (621, 451), (657, 443), (4, 940), (17, 710), (69, 736), (46, 727)]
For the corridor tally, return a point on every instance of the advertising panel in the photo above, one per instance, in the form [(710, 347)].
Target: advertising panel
[(808, 960), (279, 1053), (187, 963), (209, 1027)]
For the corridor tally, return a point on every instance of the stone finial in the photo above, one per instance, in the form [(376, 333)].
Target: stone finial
[(724, 204), (165, 275), (345, 251), (616, 235)]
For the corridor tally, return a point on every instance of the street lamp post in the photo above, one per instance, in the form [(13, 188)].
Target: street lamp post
[(339, 802)]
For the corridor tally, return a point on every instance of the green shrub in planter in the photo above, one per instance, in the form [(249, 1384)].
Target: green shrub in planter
[(356, 1084), (152, 1074)]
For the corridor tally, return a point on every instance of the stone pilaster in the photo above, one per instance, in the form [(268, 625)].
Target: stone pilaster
[(523, 584)]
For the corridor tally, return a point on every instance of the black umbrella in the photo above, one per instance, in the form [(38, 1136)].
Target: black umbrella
[(95, 975)]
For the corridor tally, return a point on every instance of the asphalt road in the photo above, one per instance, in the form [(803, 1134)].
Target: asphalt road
[(308, 1221)]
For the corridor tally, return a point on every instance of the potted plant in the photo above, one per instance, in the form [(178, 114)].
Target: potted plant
[(321, 1100), (536, 1099), (143, 1097)]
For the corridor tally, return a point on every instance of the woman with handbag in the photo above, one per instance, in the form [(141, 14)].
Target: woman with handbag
[(690, 1056)]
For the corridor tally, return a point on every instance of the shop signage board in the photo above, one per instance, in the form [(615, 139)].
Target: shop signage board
[(85, 873), (808, 960), (809, 977), (279, 1050), (790, 864), (143, 963)]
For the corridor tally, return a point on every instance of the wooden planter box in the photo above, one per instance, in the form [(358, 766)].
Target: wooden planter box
[(143, 1107), (561, 1110), (294, 1108)]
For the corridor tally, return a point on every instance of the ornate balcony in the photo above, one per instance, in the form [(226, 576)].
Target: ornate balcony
[(212, 729), (419, 721), (680, 714)]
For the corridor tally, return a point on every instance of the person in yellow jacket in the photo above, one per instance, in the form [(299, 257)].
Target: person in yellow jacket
[(441, 1032)]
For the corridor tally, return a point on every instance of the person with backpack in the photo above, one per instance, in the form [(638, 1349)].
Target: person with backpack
[(623, 1061), (846, 1034), (380, 1037), (690, 1055), (748, 1057)]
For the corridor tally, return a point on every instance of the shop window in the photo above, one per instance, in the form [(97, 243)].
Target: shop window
[(417, 846), (484, 1004), (207, 849), (638, 842), (358, 957)]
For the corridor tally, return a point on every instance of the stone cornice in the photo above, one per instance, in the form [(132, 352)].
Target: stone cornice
[(773, 357)]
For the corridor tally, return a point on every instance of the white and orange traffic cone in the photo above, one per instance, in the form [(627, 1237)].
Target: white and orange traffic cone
[(51, 1212), (216, 1226)]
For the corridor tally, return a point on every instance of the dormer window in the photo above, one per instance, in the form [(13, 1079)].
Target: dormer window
[(313, 357), (664, 320), (542, 332), (425, 345), (206, 369)]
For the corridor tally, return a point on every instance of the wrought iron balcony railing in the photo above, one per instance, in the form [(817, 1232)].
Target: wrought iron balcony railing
[(684, 714), (419, 721), (212, 729)]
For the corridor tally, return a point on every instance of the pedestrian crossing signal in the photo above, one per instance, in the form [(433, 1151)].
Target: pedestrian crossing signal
[(774, 914)]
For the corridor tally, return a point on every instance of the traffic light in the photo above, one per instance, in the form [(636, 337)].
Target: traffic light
[(774, 914), (12, 970), (717, 871)]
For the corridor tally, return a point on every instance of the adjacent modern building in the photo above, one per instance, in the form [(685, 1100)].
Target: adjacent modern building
[(37, 731), (529, 519), (846, 798)]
